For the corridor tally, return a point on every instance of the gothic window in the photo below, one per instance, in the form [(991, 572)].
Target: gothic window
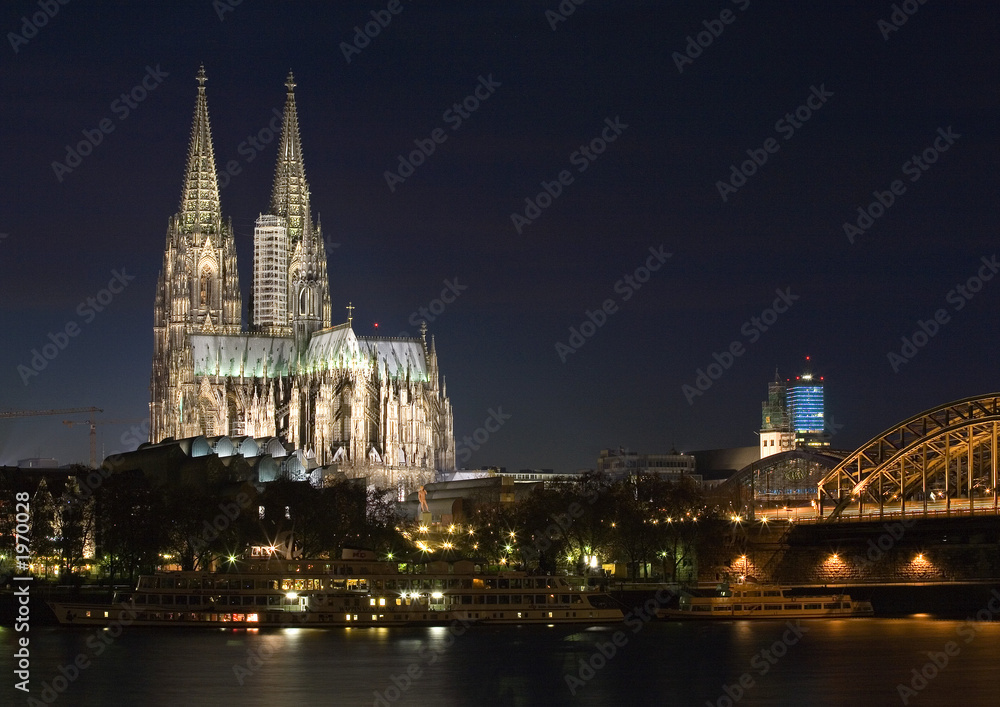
[(302, 300), (206, 287)]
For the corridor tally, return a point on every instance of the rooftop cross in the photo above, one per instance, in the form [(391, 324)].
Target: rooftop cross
[(290, 81), (350, 313)]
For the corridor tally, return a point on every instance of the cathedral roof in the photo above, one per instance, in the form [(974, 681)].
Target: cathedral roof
[(399, 355), (247, 355), (336, 348)]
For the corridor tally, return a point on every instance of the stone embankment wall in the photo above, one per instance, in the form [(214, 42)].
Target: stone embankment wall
[(926, 550)]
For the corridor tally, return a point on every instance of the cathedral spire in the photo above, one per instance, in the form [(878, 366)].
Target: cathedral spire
[(290, 195), (200, 208)]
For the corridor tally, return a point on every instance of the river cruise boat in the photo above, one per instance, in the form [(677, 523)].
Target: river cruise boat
[(354, 591), (762, 601)]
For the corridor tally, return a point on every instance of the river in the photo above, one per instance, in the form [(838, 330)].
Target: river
[(915, 660)]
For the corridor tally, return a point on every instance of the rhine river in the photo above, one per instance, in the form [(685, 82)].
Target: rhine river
[(838, 662)]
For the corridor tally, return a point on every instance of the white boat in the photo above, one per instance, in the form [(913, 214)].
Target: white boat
[(762, 601), (354, 591)]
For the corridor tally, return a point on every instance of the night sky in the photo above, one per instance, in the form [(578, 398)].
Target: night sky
[(864, 99)]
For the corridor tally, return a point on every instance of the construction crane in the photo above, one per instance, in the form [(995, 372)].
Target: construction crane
[(93, 432), (64, 411)]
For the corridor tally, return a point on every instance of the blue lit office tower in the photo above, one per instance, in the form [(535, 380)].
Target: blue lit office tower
[(805, 410)]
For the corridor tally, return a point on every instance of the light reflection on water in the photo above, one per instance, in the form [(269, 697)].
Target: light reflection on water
[(835, 662)]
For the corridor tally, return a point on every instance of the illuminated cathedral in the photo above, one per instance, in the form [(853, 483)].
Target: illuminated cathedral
[(371, 406)]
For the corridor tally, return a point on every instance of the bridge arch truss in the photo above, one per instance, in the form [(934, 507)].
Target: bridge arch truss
[(943, 460)]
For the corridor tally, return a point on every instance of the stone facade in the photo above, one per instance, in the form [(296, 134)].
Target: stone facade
[(373, 406)]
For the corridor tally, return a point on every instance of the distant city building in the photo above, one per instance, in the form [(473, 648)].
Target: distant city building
[(38, 463), (716, 465), (794, 414), (775, 429), (524, 476), (454, 501), (806, 413), (621, 462)]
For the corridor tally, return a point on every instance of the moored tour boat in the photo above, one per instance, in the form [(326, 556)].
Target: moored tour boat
[(355, 591), (762, 601)]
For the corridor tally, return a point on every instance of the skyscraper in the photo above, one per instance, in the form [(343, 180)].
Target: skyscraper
[(806, 414), (793, 414), (775, 432)]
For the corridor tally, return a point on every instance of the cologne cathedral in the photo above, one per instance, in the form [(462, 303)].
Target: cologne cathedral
[(370, 406)]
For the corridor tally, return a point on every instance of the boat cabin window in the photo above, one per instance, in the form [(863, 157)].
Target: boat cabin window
[(772, 607), (834, 605), (752, 594), (772, 593)]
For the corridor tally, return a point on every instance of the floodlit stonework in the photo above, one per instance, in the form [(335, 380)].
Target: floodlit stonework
[(373, 406)]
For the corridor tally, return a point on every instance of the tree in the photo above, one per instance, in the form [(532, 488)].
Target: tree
[(128, 515), (75, 538)]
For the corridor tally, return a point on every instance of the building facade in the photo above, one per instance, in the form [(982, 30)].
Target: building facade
[(621, 463), (794, 414), (374, 406)]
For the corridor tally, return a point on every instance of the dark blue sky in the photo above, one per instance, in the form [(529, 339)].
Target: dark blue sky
[(877, 102)]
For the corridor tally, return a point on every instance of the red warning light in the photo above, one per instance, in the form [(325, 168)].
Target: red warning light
[(376, 325)]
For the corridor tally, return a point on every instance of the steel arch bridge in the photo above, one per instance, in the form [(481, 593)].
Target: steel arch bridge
[(787, 478), (942, 461)]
